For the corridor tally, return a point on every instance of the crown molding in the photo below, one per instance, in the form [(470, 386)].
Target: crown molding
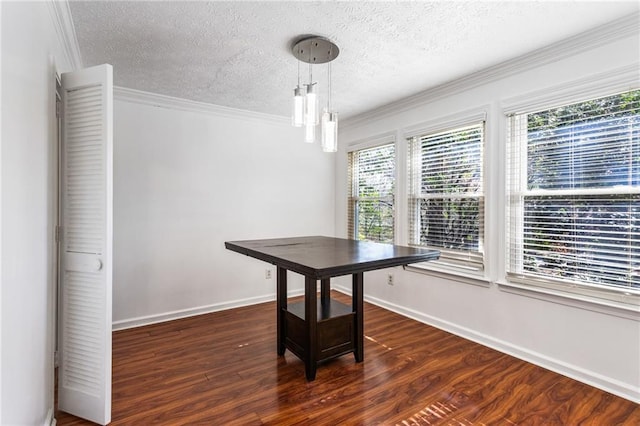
[(621, 79), (371, 141), (163, 101), (618, 29), (66, 32), (448, 122)]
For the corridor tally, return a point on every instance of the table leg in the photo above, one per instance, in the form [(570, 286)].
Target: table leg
[(325, 288), (358, 307), (311, 322), (281, 297)]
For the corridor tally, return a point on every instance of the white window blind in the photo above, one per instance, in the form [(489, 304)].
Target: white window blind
[(446, 198), (573, 212), (372, 182)]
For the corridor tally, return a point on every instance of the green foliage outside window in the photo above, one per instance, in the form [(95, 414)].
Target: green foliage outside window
[(450, 201), (372, 206), (585, 224)]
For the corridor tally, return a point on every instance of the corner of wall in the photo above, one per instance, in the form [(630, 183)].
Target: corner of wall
[(63, 24), (50, 420)]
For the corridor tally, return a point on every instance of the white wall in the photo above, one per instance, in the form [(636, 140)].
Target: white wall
[(29, 46), (187, 181), (593, 344), (183, 187)]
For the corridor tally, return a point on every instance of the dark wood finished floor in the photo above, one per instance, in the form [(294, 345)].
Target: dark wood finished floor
[(222, 369)]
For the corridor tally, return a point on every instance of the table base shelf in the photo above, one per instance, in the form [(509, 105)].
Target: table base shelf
[(335, 330)]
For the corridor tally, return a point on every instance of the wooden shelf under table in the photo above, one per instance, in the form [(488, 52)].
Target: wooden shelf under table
[(335, 329)]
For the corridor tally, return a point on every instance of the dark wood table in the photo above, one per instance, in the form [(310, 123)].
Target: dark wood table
[(318, 330)]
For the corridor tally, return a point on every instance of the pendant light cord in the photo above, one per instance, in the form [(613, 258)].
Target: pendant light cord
[(329, 97), (310, 69), (298, 69)]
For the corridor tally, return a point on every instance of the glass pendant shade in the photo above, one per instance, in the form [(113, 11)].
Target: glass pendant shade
[(309, 133), (311, 105), (329, 126), (297, 116)]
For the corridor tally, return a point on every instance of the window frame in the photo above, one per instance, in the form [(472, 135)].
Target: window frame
[(593, 87), (445, 267), (366, 144)]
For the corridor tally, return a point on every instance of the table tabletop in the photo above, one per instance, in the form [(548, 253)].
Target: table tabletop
[(322, 257)]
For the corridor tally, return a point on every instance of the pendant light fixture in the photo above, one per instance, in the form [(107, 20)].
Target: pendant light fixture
[(311, 101), (297, 115), (329, 122), (310, 110), (315, 50)]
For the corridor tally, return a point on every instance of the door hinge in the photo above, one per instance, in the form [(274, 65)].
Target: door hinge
[(56, 359), (58, 233)]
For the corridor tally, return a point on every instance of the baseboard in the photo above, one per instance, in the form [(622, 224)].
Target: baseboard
[(50, 420), (616, 387), (185, 313)]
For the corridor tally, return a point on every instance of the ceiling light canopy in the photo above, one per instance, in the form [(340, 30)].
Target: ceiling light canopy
[(315, 50)]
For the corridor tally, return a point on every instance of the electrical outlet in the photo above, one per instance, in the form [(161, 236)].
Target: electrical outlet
[(267, 274), (390, 279)]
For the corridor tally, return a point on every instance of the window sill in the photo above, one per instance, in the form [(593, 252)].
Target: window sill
[(462, 275), (603, 306)]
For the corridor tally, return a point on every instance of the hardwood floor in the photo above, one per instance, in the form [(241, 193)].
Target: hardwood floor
[(222, 369)]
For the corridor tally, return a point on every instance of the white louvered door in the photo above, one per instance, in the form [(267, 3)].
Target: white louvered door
[(84, 380)]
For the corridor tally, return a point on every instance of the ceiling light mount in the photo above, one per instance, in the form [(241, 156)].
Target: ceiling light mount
[(315, 50)]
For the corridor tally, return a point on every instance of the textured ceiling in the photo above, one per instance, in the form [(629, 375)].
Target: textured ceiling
[(238, 54)]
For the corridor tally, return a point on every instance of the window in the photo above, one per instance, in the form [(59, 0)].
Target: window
[(371, 179), (446, 199), (573, 212)]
